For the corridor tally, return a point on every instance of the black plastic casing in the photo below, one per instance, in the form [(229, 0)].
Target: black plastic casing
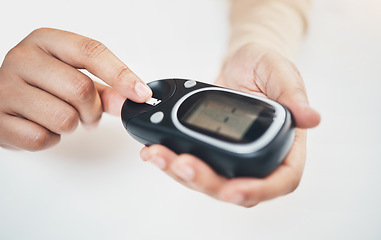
[(136, 119)]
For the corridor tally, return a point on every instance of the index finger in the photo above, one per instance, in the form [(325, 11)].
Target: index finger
[(82, 52)]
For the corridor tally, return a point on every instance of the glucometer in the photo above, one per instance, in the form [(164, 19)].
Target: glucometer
[(235, 133)]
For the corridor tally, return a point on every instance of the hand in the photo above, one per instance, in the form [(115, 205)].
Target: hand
[(43, 95), (259, 71)]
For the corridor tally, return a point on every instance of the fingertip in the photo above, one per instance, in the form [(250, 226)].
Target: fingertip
[(158, 162), (184, 171), (305, 116), (314, 118), (234, 197), (114, 105), (192, 171), (112, 101), (145, 153), (197, 175), (138, 92), (155, 152), (143, 92), (90, 126)]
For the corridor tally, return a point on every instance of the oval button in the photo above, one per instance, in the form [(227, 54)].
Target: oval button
[(190, 84), (157, 117)]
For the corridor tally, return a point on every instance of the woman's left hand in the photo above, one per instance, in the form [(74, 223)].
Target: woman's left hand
[(257, 70)]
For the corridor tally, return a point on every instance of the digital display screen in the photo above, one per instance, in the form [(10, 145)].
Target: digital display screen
[(222, 115)]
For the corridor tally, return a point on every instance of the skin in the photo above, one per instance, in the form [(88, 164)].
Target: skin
[(258, 70), (43, 94), (263, 34)]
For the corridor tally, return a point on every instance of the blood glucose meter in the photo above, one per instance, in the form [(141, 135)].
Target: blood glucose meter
[(235, 133)]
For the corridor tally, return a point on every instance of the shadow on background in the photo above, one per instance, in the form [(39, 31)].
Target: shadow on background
[(110, 141)]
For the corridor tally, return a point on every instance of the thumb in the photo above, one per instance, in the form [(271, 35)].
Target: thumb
[(282, 82), (296, 101)]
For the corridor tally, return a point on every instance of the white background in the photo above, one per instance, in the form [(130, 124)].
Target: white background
[(93, 185)]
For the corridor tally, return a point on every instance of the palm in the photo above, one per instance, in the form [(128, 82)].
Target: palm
[(264, 73)]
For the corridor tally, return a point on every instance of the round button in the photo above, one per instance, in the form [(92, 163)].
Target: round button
[(157, 117), (190, 84)]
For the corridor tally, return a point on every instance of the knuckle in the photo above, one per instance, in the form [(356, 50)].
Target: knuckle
[(38, 34), (209, 189), (91, 48), (123, 74), (263, 68), (294, 184), (263, 195), (15, 55), (269, 62), (295, 69), (84, 88), (66, 120), (3, 83), (38, 31)]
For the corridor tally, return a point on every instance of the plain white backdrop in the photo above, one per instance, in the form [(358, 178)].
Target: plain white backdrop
[(93, 185)]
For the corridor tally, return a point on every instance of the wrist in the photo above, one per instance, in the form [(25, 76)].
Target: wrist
[(277, 25)]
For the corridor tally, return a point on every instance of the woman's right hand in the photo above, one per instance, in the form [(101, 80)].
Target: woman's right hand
[(44, 95)]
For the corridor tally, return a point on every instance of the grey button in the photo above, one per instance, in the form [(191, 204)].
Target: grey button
[(157, 117), (190, 84)]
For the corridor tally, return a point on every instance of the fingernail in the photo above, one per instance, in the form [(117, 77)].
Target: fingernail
[(236, 198), (185, 172), (159, 162), (144, 154), (142, 90), (91, 126), (305, 105)]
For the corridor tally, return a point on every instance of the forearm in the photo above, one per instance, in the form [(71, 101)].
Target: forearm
[(277, 24)]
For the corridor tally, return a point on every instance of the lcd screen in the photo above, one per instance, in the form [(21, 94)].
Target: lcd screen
[(222, 115)]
